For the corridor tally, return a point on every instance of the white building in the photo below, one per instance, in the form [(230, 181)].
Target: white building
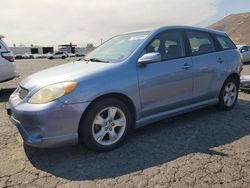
[(31, 50)]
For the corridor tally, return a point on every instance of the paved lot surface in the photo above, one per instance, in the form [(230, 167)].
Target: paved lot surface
[(206, 148)]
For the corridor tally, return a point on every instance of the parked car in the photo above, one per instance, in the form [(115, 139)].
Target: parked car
[(245, 53), (7, 63), (79, 54), (58, 55), (19, 56), (71, 55), (129, 81), (28, 56), (37, 56), (245, 83)]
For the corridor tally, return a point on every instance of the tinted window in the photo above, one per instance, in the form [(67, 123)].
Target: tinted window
[(169, 44), (200, 42), (244, 49), (248, 48), (225, 43)]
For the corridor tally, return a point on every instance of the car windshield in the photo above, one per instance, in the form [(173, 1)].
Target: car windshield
[(118, 48)]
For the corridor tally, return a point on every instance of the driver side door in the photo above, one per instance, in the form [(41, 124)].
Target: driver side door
[(167, 84)]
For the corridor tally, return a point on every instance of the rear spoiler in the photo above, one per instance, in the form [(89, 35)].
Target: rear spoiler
[(1, 36)]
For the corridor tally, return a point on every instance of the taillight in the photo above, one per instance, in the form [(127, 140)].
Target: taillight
[(8, 56)]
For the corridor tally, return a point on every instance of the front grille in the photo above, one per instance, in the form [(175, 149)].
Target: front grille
[(23, 92)]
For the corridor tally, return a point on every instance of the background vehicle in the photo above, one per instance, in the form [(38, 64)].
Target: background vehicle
[(245, 53), (129, 81), (57, 55), (19, 56), (71, 55), (245, 83), (7, 64), (28, 56)]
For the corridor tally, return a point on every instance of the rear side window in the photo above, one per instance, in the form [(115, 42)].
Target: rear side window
[(225, 43), (248, 48), (200, 42)]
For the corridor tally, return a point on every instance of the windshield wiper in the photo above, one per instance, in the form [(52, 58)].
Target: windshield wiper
[(92, 60), (82, 59), (97, 60)]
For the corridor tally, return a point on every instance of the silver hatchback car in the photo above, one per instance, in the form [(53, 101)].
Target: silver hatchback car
[(131, 80)]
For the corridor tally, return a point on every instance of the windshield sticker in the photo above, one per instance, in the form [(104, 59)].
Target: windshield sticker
[(141, 37)]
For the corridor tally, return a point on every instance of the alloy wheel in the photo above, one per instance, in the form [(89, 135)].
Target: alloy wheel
[(109, 126), (230, 94)]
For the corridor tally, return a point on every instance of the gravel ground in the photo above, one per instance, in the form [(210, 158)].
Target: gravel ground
[(205, 148)]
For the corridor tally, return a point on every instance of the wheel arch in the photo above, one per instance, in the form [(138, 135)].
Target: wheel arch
[(235, 76), (120, 96)]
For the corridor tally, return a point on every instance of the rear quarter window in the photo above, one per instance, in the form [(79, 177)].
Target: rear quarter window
[(225, 42)]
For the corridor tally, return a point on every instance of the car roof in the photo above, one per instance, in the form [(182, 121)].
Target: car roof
[(163, 28)]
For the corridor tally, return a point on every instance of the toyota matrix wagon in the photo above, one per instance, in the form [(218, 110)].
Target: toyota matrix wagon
[(131, 80)]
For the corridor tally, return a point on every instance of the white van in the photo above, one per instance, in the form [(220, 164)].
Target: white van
[(7, 63)]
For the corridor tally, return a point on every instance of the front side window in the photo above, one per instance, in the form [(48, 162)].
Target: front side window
[(118, 48), (169, 44), (225, 43), (200, 42)]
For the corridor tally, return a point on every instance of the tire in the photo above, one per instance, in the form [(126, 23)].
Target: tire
[(106, 135), (228, 96), (63, 57)]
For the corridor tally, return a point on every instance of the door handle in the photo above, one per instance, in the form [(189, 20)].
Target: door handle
[(186, 66), (220, 60)]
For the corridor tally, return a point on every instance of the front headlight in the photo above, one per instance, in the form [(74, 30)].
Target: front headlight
[(52, 92)]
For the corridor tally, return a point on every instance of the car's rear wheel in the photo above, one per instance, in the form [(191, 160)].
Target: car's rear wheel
[(228, 95), (105, 125)]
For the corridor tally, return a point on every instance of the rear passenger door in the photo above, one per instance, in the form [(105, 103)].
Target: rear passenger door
[(208, 65)]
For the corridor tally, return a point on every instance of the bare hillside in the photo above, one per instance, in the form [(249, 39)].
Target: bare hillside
[(237, 26)]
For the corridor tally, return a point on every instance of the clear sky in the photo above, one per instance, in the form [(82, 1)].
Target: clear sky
[(53, 22)]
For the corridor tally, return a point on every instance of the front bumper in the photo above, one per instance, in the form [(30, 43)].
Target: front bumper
[(245, 83), (46, 125)]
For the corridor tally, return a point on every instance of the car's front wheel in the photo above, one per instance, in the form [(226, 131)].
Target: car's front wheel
[(105, 125), (228, 95)]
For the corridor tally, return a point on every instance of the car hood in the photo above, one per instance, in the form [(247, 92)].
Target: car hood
[(75, 71)]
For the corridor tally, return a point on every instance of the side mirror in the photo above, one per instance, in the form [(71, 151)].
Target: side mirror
[(150, 58)]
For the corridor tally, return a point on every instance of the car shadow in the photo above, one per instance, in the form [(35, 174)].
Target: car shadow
[(5, 94), (196, 132)]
